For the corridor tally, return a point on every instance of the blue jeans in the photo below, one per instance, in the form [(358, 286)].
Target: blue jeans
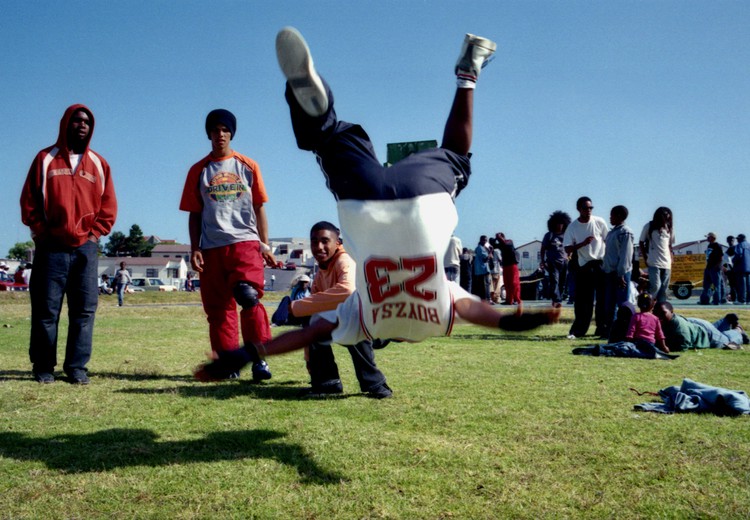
[(658, 282), (614, 296), (120, 292), (60, 272), (713, 285), (557, 281), (451, 273), (743, 287)]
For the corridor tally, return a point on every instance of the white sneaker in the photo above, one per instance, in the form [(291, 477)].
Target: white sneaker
[(475, 54), (297, 65), (570, 336)]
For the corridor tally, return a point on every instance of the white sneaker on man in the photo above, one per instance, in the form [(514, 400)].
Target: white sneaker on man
[(475, 54), (297, 65)]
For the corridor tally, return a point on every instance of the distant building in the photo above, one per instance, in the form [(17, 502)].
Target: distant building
[(172, 271), (172, 250), (529, 256), (292, 249)]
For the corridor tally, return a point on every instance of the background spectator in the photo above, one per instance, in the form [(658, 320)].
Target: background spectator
[(713, 280), (585, 236), (511, 275), (618, 266), (656, 241), (553, 255), (481, 282), (452, 259), (467, 269), (741, 262)]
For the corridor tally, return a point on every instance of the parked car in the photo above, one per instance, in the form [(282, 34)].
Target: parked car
[(151, 284)]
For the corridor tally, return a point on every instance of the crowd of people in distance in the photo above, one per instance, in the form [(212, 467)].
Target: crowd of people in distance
[(18, 280)]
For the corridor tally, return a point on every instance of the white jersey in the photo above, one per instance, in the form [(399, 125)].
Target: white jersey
[(398, 246)]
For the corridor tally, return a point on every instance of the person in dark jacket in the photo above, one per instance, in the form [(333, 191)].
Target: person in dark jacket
[(713, 281)]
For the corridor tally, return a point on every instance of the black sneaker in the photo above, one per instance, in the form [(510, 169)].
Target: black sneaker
[(261, 371), (382, 392), (44, 377), (79, 377), (327, 389), (380, 343)]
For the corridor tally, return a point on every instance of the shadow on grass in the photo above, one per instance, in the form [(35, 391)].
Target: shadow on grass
[(119, 447), (279, 390), (21, 375)]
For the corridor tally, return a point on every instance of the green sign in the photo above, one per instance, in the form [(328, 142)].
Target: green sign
[(397, 151)]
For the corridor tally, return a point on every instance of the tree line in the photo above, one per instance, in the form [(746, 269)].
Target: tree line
[(118, 244)]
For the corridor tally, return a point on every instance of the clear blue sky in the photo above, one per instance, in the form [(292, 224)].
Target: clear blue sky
[(641, 103)]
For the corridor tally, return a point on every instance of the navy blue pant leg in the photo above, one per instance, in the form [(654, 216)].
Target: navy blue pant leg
[(83, 299), (349, 162), (47, 290), (59, 272), (323, 368)]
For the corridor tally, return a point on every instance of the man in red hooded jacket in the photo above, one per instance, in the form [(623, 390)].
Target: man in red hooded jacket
[(68, 201)]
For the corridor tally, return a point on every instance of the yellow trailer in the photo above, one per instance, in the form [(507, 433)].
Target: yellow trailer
[(687, 273)]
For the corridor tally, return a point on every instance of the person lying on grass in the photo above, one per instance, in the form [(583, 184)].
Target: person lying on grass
[(396, 220)]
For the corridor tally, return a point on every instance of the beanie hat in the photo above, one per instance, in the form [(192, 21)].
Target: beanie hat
[(221, 116)]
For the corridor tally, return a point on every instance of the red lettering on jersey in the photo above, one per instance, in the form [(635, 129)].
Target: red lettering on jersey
[(424, 268), (377, 274), (378, 279), (415, 311)]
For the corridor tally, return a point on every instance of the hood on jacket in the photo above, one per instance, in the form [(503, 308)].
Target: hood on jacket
[(62, 138)]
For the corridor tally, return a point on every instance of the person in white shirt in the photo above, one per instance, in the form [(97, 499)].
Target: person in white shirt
[(452, 259), (587, 235), (657, 239)]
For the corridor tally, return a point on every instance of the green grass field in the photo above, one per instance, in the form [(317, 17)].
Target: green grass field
[(481, 426)]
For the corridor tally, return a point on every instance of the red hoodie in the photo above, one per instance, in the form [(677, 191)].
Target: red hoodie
[(64, 207)]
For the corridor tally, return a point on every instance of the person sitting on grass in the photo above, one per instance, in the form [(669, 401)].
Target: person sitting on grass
[(401, 289), (645, 326), (104, 287), (300, 289), (644, 338)]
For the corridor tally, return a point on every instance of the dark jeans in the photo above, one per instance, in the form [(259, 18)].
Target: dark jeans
[(589, 289), (60, 272), (323, 368), (557, 281), (743, 287), (614, 297), (481, 286), (353, 172), (713, 286)]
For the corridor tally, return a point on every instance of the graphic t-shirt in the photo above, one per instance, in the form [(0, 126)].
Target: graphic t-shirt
[(224, 191)]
